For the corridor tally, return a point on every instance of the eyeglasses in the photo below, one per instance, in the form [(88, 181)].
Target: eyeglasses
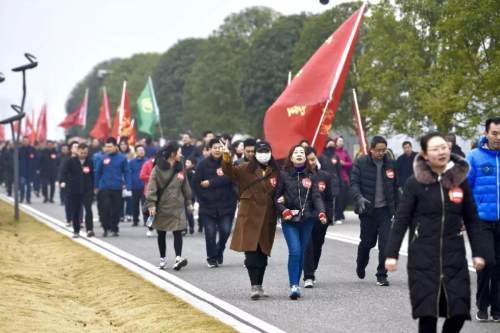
[(438, 149)]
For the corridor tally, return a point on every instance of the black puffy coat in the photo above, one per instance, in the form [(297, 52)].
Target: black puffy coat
[(433, 211), (79, 178), (330, 163), (325, 185), (290, 184), (220, 197), (364, 180), (49, 164)]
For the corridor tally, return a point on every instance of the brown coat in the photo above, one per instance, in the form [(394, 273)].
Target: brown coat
[(170, 215), (256, 219)]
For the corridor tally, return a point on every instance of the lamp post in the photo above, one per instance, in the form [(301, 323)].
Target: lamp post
[(17, 134)]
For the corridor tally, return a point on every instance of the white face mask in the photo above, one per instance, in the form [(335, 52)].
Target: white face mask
[(263, 158)]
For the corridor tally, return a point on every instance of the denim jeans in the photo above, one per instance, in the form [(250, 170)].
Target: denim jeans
[(297, 235), (222, 224)]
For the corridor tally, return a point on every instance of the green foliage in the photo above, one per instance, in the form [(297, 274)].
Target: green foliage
[(169, 79), (265, 67)]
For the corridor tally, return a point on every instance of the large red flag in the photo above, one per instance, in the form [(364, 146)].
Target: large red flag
[(77, 117), (307, 106), (41, 125), (122, 123), (101, 128)]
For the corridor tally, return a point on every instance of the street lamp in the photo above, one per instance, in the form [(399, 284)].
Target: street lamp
[(11, 120)]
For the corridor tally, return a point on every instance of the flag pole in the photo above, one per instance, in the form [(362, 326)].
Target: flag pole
[(359, 124), (289, 77), (121, 111), (157, 109), (339, 68), (85, 102)]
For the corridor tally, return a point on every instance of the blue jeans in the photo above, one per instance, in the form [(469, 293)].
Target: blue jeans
[(222, 224), (25, 188), (297, 237)]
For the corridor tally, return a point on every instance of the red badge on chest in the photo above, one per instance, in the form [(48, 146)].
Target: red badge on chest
[(321, 186), (306, 182), (456, 195), (273, 182), (106, 161), (86, 169), (53, 156), (220, 172), (389, 173), (32, 156), (180, 176), (334, 161)]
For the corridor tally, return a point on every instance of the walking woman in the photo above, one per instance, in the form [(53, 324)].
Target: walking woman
[(435, 202), (300, 205), (167, 191), (256, 218)]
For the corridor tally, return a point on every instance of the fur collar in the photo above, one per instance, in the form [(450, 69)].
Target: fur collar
[(451, 178)]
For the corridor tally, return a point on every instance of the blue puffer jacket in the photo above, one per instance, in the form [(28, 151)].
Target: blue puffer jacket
[(484, 179), (112, 172), (135, 166)]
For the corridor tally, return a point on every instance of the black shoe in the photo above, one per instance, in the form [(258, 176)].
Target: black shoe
[(361, 272), (220, 261), (200, 230), (135, 224), (382, 281), (75, 235), (191, 231), (212, 264), (496, 318), (45, 200), (90, 233), (179, 263), (482, 316), (28, 202), (51, 200), (105, 233), (115, 234)]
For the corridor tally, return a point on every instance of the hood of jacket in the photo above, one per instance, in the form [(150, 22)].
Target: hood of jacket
[(452, 177)]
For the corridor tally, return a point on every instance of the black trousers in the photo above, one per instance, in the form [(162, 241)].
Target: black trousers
[(488, 279), (48, 189), (137, 202), (75, 203), (162, 242), (451, 325), (256, 263), (341, 201), (374, 226), (313, 250), (111, 204)]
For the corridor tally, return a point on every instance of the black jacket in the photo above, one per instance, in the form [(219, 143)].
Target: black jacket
[(290, 184), (404, 165), (364, 180), (7, 165), (324, 183), (79, 178), (455, 149), (220, 197), (433, 211), (27, 162), (49, 164)]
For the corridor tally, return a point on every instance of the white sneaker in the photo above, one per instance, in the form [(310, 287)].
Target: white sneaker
[(339, 222), (294, 292), (163, 263), (149, 233), (179, 263), (309, 283)]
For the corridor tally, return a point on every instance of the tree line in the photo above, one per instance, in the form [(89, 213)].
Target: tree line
[(419, 64)]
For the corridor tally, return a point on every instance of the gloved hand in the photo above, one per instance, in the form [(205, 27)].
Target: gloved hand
[(362, 205)]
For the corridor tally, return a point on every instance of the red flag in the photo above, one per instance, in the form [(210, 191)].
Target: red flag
[(133, 134), (77, 117), (307, 106), (101, 128), (29, 129), (122, 123), (2, 133), (41, 125)]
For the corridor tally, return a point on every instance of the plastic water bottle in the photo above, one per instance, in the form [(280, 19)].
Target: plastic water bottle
[(150, 220)]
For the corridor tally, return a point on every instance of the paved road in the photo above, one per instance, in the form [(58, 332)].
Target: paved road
[(340, 302)]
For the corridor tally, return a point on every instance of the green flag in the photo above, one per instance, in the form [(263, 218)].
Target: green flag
[(148, 113)]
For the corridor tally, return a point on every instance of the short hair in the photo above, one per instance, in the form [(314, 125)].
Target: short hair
[(426, 138), (207, 132), (250, 142), (111, 140), (149, 141), (489, 121), (72, 143), (451, 137), (213, 141), (406, 143), (139, 146), (83, 146), (188, 134), (310, 150), (376, 140)]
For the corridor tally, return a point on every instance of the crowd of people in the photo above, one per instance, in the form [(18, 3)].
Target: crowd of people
[(437, 194)]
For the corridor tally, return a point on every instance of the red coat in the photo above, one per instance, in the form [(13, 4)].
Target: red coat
[(145, 173)]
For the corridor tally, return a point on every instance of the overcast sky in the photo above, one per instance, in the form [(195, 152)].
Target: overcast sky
[(70, 37)]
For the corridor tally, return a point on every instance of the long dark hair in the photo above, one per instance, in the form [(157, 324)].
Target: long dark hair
[(164, 154), (289, 164)]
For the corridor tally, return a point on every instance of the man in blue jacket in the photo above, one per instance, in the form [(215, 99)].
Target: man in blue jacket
[(135, 166), (217, 198), (111, 178), (484, 179)]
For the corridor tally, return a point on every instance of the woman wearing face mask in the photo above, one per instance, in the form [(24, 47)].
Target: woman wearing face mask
[(168, 192), (256, 218), (300, 205), (435, 202)]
